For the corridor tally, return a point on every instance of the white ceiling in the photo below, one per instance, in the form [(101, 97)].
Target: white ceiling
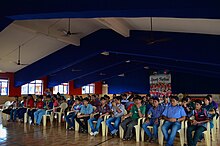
[(39, 38)]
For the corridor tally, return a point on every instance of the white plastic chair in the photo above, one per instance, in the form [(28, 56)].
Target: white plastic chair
[(106, 131), (62, 108), (149, 127), (181, 133), (50, 114), (206, 134)]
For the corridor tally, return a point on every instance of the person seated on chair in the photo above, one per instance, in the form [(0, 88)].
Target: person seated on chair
[(39, 105), (173, 115), (38, 115), (85, 112), (76, 107), (153, 119), (131, 119), (98, 116), (185, 105), (198, 123), (165, 102), (118, 110), (95, 101), (130, 103), (149, 104), (14, 108), (29, 103), (210, 109)]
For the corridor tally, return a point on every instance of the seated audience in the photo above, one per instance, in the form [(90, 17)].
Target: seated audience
[(76, 107), (39, 105), (118, 111), (131, 119), (173, 115), (198, 123), (95, 101), (98, 116), (48, 104), (124, 99), (153, 119), (85, 112)]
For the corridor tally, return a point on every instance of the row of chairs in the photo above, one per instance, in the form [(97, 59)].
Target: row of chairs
[(139, 132), (51, 113)]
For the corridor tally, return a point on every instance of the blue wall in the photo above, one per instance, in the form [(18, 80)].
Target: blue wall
[(136, 81)]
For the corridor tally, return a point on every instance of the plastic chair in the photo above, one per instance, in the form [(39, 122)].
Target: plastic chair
[(206, 134), (67, 115), (50, 114), (181, 133), (137, 130), (62, 108), (149, 127), (106, 131)]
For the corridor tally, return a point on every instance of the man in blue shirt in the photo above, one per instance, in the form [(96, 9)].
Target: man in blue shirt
[(84, 114), (198, 123), (154, 113), (172, 115), (76, 107)]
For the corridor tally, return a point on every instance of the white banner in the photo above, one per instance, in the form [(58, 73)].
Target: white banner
[(162, 78)]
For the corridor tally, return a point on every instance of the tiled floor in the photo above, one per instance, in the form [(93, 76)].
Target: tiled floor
[(19, 134)]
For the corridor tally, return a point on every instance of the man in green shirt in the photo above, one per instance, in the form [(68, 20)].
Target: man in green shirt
[(131, 119)]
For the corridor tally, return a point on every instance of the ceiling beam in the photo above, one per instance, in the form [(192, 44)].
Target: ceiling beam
[(69, 40), (116, 25)]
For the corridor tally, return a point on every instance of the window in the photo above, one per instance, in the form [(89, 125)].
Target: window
[(62, 89), (89, 89), (4, 87), (34, 87)]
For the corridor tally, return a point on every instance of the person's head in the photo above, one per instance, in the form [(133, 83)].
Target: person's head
[(207, 100), (107, 98), (210, 97), (148, 96), (151, 100), (71, 97), (48, 98), (54, 98), (117, 99), (188, 99), (165, 99), (184, 101), (93, 97), (40, 98), (131, 98), (30, 96), (174, 100), (156, 102), (137, 99), (24, 98), (198, 104), (114, 95), (86, 101), (124, 96), (77, 100), (103, 100)]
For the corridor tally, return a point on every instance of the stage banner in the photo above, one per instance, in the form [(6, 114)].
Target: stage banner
[(160, 85)]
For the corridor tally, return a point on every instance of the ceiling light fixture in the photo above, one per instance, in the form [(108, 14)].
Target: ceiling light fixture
[(146, 67), (128, 61), (105, 53), (121, 75)]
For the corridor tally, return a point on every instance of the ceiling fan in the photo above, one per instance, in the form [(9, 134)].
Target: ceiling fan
[(19, 57), (68, 32), (152, 40)]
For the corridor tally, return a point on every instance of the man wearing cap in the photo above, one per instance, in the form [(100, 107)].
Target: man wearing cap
[(84, 114), (118, 112), (131, 119), (154, 115), (173, 115), (198, 123), (98, 116)]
